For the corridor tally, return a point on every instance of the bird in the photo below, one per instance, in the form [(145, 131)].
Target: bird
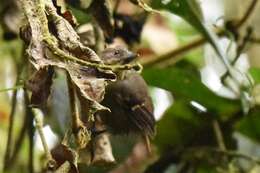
[(131, 107)]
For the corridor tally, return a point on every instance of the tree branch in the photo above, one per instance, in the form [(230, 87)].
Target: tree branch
[(176, 53)]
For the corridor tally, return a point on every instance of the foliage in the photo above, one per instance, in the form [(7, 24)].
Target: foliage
[(67, 74)]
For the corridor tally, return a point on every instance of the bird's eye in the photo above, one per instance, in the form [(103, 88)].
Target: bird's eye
[(116, 52)]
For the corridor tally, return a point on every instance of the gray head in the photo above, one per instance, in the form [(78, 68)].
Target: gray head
[(117, 55)]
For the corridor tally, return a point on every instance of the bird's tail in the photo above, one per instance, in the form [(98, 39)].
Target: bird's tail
[(147, 143)]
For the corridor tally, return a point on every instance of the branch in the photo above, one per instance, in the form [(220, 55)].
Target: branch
[(247, 14), (9, 144), (10, 131), (176, 53), (51, 163), (230, 153), (219, 135)]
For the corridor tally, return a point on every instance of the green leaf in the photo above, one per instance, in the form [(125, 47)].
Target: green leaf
[(255, 73), (250, 125), (182, 127), (190, 11), (175, 127), (186, 84)]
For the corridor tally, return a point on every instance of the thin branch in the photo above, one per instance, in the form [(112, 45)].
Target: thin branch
[(255, 40), (240, 49), (12, 88), (219, 135), (196, 43), (247, 14), (148, 62), (31, 131), (9, 143), (63, 55), (19, 141), (230, 153), (51, 163)]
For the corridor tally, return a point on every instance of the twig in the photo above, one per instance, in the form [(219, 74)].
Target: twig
[(51, 163), (219, 135), (230, 153), (11, 119), (29, 118), (255, 40), (20, 139), (148, 62), (11, 89), (197, 42), (240, 49), (61, 54), (247, 14), (10, 131)]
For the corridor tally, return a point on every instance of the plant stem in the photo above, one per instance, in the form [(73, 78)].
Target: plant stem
[(230, 153), (51, 163), (29, 119), (11, 89), (9, 144), (219, 135), (10, 131)]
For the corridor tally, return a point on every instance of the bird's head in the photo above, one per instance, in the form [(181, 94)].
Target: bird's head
[(117, 55)]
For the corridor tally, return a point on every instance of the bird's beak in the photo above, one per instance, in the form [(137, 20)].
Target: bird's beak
[(130, 57)]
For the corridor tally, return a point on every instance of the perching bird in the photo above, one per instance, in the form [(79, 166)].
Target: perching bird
[(128, 99)]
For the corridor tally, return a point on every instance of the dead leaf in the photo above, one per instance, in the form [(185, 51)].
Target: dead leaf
[(62, 154), (40, 85), (101, 11), (90, 80)]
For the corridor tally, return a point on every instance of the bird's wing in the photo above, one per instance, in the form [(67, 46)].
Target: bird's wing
[(139, 115)]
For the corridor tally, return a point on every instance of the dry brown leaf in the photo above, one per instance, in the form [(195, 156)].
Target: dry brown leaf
[(62, 154), (90, 80), (101, 11), (40, 85)]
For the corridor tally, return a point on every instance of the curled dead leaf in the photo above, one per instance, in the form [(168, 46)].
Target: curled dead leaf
[(63, 155), (40, 85)]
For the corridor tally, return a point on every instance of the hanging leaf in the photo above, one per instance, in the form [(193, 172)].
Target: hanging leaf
[(102, 13), (40, 85), (90, 80), (62, 154)]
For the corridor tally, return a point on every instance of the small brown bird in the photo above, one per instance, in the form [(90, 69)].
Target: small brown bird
[(128, 99)]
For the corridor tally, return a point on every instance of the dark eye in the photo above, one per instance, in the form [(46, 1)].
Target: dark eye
[(116, 52)]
